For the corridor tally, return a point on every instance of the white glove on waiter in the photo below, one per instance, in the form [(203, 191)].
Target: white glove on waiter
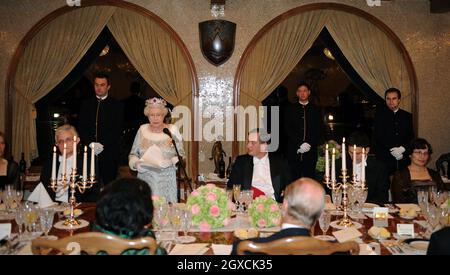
[(305, 147), (98, 147), (397, 152)]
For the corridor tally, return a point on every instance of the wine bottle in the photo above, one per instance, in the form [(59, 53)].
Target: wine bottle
[(228, 172), (22, 164), (221, 168)]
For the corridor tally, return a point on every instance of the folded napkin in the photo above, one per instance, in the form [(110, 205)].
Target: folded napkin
[(221, 249), (5, 230), (347, 234), (41, 196), (189, 249)]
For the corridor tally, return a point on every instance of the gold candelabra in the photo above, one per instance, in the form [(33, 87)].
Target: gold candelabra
[(334, 186), (74, 183)]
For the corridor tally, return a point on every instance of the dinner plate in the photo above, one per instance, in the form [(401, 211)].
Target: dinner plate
[(407, 217), (368, 207), (378, 237)]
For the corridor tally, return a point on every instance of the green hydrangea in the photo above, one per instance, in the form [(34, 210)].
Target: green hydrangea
[(264, 212)]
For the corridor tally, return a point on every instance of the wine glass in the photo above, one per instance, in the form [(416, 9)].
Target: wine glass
[(19, 196), (247, 198), (175, 219), (324, 223), (236, 194), (46, 220), (361, 198), (31, 216), (186, 222), (159, 217), (336, 197), (20, 219)]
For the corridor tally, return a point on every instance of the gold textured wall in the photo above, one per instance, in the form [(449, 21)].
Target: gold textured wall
[(426, 37)]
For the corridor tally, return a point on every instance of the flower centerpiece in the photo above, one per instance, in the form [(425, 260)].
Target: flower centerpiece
[(264, 212), (210, 207), (320, 165), (158, 200)]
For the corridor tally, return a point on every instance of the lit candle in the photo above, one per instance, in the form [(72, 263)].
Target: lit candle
[(54, 164), (85, 163), (64, 161), (92, 161), (74, 154), (363, 166), (354, 161), (333, 165), (344, 164), (327, 163)]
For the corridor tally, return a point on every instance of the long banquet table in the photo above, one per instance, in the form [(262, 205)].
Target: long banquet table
[(228, 237)]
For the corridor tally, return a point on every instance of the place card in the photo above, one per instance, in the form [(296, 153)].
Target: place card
[(346, 234), (405, 229)]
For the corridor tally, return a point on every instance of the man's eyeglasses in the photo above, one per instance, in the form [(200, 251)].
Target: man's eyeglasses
[(62, 141)]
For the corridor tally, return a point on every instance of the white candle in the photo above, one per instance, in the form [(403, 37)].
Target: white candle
[(54, 164), (327, 163), (363, 166), (92, 161), (344, 164), (64, 161), (333, 165), (354, 160), (85, 163), (74, 154)]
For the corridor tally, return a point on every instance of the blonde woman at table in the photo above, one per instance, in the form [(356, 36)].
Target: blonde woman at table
[(153, 155), (9, 170), (415, 176)]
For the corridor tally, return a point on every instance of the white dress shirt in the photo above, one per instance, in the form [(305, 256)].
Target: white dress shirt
[(357, 170), (261, 176)]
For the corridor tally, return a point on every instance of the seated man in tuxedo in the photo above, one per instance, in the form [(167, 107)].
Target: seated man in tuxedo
[(303, 204), (64, 135), (265, 173), (377, 178), (440, 242)]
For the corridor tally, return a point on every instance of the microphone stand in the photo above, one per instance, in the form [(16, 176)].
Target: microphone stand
[(183, 168)]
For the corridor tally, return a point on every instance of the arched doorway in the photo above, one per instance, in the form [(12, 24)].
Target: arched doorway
[(262, 69), (117, 11)]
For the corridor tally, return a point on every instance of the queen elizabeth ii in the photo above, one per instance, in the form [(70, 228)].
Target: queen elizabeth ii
[(153, 155)]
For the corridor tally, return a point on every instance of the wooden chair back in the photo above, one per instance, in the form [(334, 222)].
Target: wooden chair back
[(300, 245), (92, 243)]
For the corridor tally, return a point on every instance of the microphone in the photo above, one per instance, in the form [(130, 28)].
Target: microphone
[(180, 162), (167, 132)]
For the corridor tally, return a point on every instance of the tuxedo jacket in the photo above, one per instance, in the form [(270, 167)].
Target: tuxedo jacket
[(102, 121), (284, 233), (90, 195), (242, 173), (392, 130), (377, 179), (440, 242), (302, 127)]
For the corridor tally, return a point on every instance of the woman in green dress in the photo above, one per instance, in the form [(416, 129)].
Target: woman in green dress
[(125, 209)]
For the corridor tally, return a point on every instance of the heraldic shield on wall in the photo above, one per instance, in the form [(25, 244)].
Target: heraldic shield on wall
[(217, 40)]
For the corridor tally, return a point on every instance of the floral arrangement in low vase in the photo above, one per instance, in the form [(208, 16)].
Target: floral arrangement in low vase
[(264, 212), (210, 207), (158, 200)]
